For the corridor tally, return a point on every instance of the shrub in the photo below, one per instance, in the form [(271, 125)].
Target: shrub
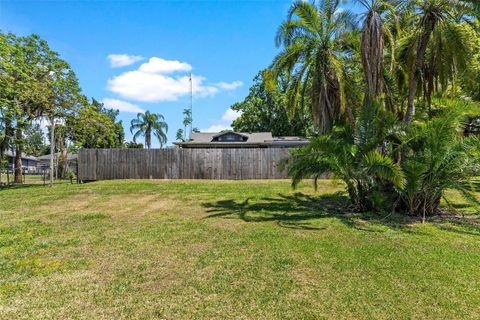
[(438, 157), (385, 167)]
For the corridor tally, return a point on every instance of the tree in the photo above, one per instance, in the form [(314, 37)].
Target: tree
[(265, 110), (147, 123), (180, 135), (187, 121), (311, 38), (353, 157), (385, 164), (439, 158), (372, 45), (432, 14), (34, 140), (133, 145), (7, 107), (93, 126), (36, 82), (113, 114)]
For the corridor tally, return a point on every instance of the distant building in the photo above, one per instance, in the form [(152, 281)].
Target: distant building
[(29, 163), (33, 165), (44, 161), (231, 139)]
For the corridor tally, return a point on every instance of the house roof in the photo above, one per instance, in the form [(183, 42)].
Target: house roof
[(207, 137), (24, 156), (70, 156), (255, 139)]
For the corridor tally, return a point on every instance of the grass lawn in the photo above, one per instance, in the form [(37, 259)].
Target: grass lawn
[(242, 250)]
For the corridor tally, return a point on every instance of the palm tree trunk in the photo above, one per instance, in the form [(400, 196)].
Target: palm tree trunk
[(428, 22), (372, 55), (148, 138)]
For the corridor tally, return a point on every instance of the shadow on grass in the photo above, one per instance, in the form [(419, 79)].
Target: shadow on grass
[(298, 211), (21, 186), (469, 225)]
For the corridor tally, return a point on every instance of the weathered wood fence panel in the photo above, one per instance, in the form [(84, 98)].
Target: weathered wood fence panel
[(227, 164)]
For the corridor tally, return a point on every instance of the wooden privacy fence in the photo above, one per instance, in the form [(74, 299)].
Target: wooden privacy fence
[(228, 164)]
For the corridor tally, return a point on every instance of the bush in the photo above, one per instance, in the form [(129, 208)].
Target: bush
[(384, 167), (437, 157), (357, 157)]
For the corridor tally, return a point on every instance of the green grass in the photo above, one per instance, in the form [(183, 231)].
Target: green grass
[(238, 250)]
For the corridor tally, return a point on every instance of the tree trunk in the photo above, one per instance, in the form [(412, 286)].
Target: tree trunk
[(428, 23), (18, 156), (372, 55)]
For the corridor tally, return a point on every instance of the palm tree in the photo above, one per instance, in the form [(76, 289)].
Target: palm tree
[(311, 38), (187, 121), (180, 135), (147, 123), (440, 159), (372, 44), (353, 157), (432, 13), (447, 55)]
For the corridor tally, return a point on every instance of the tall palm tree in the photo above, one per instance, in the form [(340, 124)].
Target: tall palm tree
[(311, 39), (147, 123), (447, 55), (432, 13), (372, 44)]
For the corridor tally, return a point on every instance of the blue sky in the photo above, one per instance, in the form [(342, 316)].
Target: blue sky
[(224, 44)]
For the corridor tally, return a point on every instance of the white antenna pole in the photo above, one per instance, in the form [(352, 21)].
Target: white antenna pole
[(191, 105)]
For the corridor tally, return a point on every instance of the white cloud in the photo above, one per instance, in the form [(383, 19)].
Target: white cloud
[(159, 65), (230, 115), (122, 60), (225, 121), (122, 106), (152, 82), (229, 86), (216, 128), (152, 87)]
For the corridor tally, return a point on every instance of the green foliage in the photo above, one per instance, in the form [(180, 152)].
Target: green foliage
[(265, 110), (438, 158), (408, 147), (311, 39), (34, 140), (432, 157), (353, 157), (147, 124), (35, 82), (133, 145), (92, 126), (180, 135)]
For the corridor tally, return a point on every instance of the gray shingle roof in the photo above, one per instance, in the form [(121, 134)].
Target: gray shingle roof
[(70, 156), (24, 156), (256, 137)]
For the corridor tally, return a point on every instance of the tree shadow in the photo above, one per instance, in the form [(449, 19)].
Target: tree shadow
[(20, 186), (464, 224), (297, 211)]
